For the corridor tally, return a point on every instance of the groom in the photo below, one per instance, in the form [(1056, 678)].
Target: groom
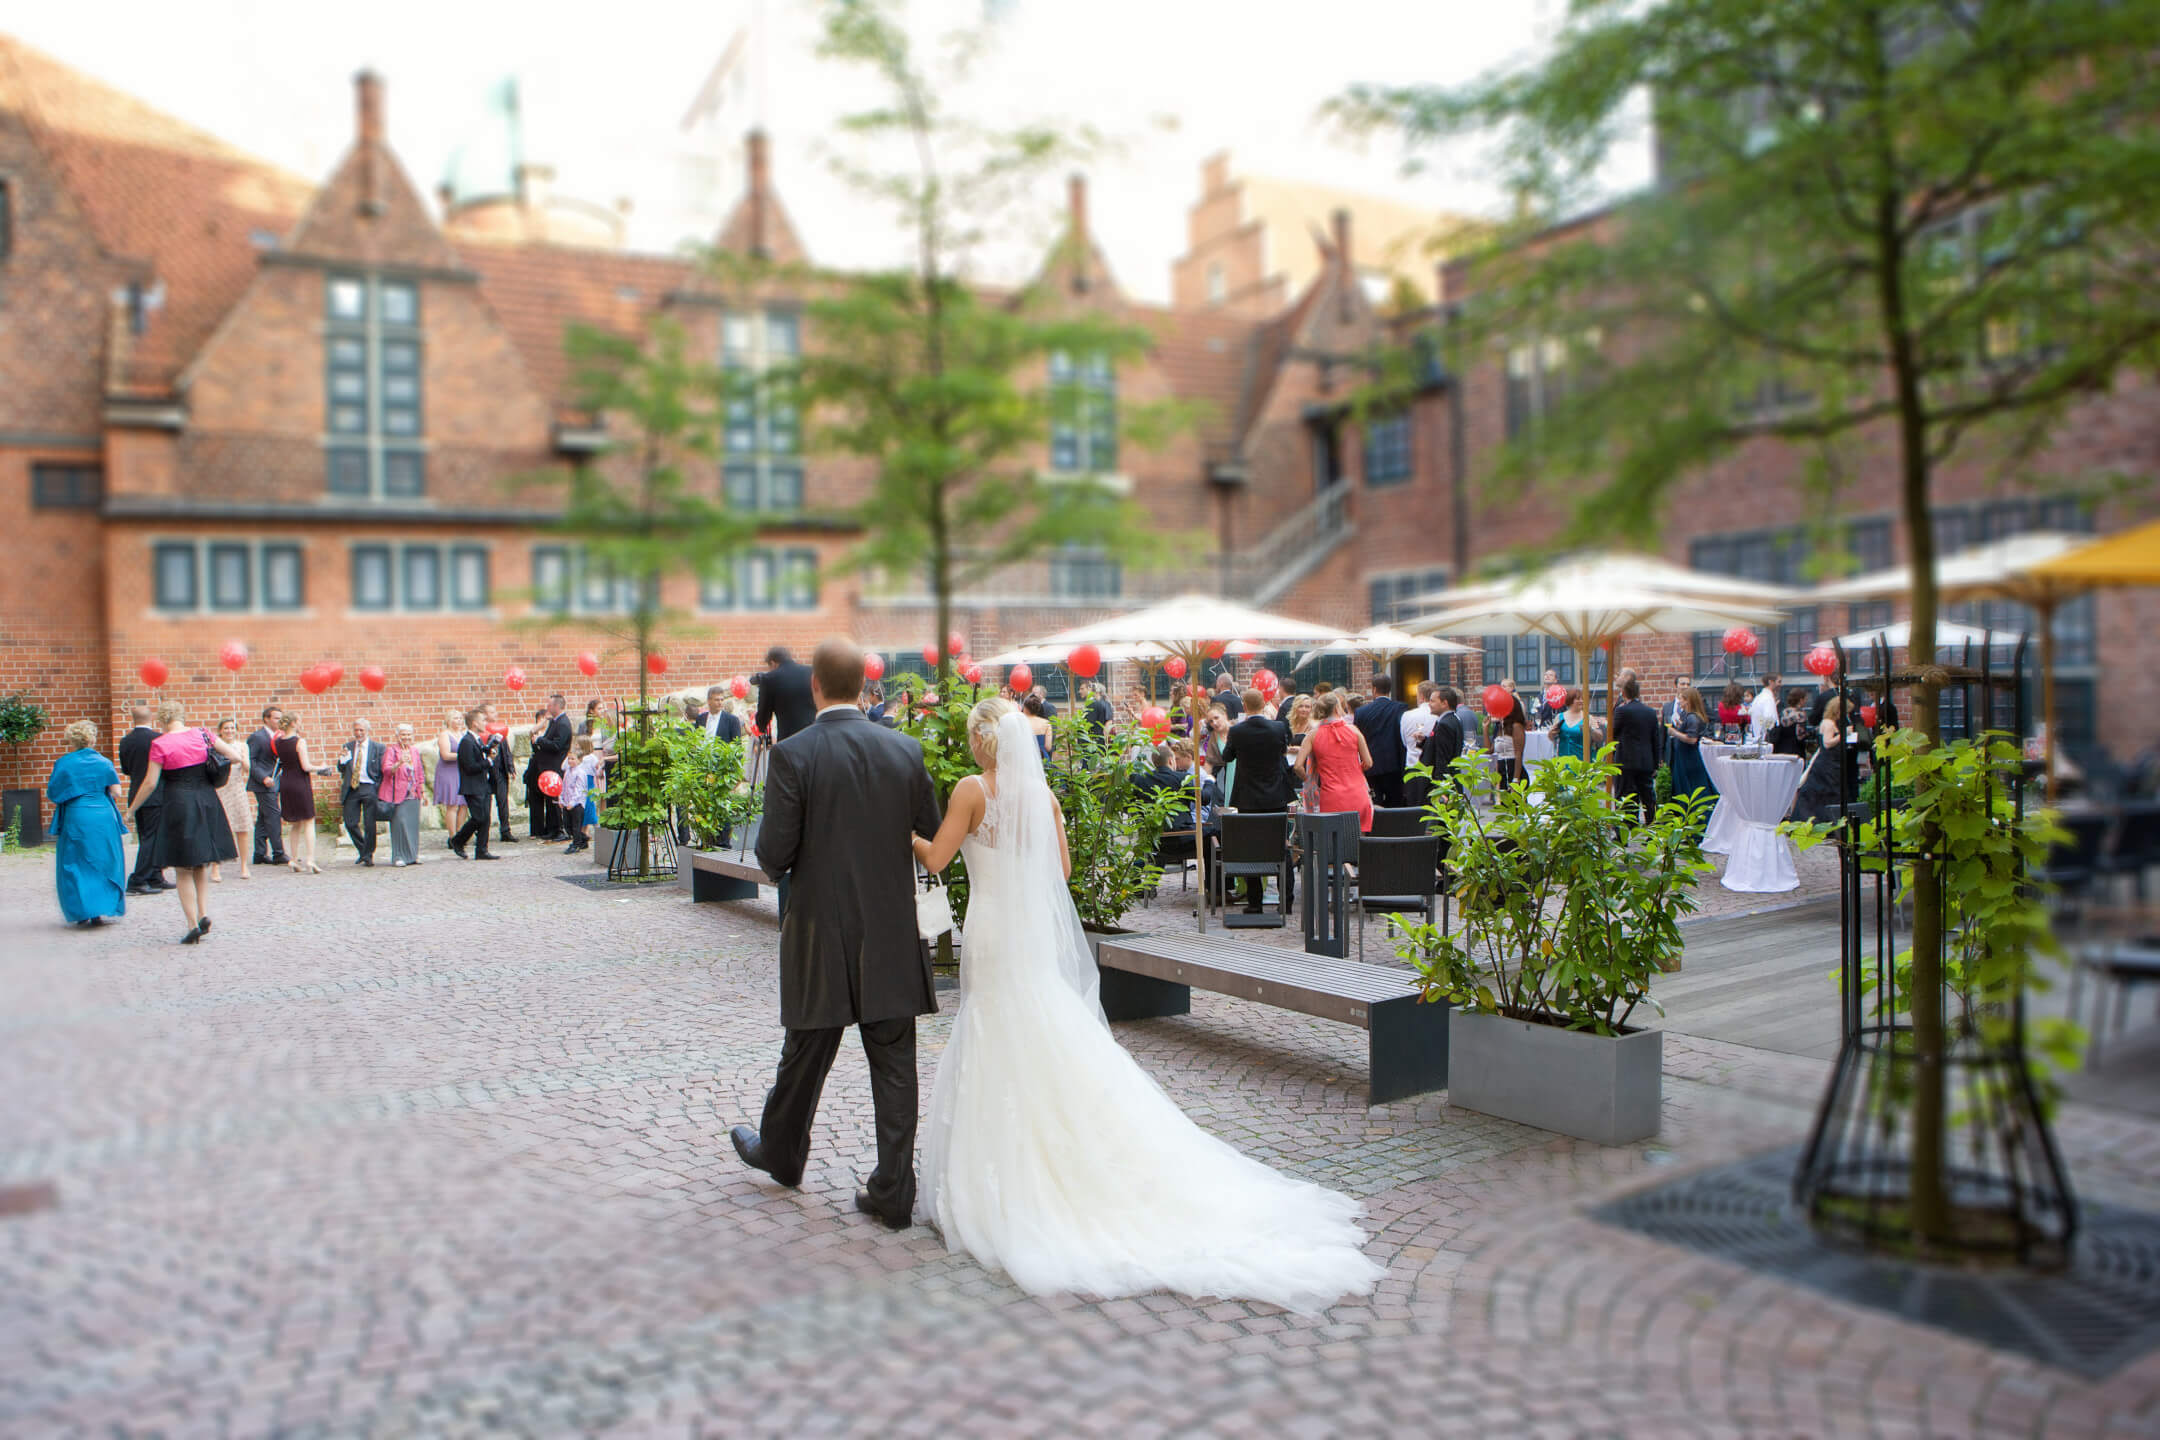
[(841, 799)]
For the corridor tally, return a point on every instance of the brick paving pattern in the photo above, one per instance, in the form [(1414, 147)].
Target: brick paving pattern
[(443, 1152)]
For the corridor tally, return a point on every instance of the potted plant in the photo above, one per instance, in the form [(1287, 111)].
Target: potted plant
[(22, 720), (705, 785), (1111, 831), (635, 802), (1567, 912)]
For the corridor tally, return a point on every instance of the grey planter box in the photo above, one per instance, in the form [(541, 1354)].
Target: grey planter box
[(603, 845), (1594, 1087)]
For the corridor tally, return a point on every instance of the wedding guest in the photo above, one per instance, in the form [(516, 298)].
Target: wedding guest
[(479, 772), (1636, 748), (551, 748), (448, 798), (499, 756), (1337, 757), (1763, 710), (400, 790), (1213, 729), (1300, 719), (233, 795), (296, 795), (1038, 721), (1732, 712), (718, 719), (269, 840), (576, 786), (784, 706), (1379, 721), (360, 772), (594, 714), (1042, 697), (1226, 694), (1262, 783), (1822, 788), (1510, 735), (90, 858), (147, 878), (192, 834), (1789, 735), (1442, 744), (1095, 719), (1542, 711), (1467, 718), (1689, 775), (1574, 731), (1418, 720)]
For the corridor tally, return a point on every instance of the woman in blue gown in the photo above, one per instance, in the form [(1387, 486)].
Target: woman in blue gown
[(91, 872)]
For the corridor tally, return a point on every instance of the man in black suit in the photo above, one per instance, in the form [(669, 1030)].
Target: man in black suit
[(1263, 784), (1096, 717), (262, 781), (551, 747), (360, 765), (843, 796), (1635, 736), (476, 781), (1443, 743), (498, 748), (784, 703), (134, 756), (1379, 720), (714, 720), (1226, 695)]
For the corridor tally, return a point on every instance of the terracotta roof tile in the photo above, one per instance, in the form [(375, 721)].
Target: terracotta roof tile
[(538, 291)]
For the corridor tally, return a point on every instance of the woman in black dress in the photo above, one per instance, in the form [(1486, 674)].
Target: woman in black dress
[(192, 832), (296, 795)]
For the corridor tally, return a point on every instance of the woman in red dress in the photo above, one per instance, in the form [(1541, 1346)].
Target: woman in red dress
[(1336, 755)]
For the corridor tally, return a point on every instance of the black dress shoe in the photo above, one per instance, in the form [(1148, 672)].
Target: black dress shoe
[(459, 851), (752, 1151), (864, 1203), (140, 891), (487, 857)]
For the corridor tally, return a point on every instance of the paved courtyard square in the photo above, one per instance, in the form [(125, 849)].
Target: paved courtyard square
[(444, 1152)]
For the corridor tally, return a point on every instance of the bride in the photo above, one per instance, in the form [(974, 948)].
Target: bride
[(1050, 1154)]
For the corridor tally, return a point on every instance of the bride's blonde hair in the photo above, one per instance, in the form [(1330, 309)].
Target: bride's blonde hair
[(982, 728)]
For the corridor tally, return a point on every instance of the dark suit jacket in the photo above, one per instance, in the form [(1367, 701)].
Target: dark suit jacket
[(551, 744), (842, 798), (134, 756), (371, 766), (730, 725), (1442, 747), (498, 747), (1230, 700), (1097, 717), (1380, 721), (475, 768), (262, 760), (1263, 782), (784, 696), (1638, 740)]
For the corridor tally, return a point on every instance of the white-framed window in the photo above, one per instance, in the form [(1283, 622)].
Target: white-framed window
[(227, 575), (764, 578), (565, 581), (1542, 372), (1405, 594), (419, 578), (1083, 414), (372, 388), (761, 465)]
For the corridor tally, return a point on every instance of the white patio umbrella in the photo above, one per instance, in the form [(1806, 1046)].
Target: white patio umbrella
[(1383, 645), (1621, 569), (2011, 569), (1898, 636), (1588, 604), (1189, 628)]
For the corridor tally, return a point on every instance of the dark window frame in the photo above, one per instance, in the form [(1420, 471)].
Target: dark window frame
[(62, 485), (1083, 397), (1391, 461), (213, 552), (158, 594)]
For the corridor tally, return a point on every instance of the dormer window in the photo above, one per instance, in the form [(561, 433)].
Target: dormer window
[(372, 369), (1083, 414)]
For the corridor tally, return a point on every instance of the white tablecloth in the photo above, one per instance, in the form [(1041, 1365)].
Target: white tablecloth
[(1537, 745), (1753, 796)]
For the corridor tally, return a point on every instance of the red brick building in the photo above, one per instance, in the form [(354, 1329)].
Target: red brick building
[(237, 404)]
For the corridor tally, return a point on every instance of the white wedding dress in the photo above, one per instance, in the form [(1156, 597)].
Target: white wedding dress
[(1051, 1155)]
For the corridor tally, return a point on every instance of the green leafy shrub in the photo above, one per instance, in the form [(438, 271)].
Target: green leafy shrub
[(1111, 828), (1567, 910), (705, 782), (940, 727), (22, 720)]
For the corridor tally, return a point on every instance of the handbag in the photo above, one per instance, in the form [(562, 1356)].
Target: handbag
[(217, 765), (933, 910)]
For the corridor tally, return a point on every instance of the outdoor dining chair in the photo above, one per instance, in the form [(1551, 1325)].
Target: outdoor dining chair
[(1397, 875), (1253, 845)]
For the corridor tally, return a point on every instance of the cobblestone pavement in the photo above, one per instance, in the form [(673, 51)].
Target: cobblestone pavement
[(443, 1152)]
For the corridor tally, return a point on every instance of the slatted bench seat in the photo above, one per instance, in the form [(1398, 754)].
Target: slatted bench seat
[(729, 875), (1147, 976)]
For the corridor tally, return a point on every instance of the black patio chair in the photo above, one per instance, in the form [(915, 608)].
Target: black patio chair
[(2134, 847), (1397, 875), (1253, 846), (2071, 867), (1395, 822)]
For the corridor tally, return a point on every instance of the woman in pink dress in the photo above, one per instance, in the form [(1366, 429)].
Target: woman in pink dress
[(193, 834), (1335, 755)]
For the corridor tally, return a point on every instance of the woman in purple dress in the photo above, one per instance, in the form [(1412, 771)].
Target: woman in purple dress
[(447, 794)]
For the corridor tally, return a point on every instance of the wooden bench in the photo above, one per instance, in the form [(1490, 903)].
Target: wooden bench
[(1147, 976), (729, 875)]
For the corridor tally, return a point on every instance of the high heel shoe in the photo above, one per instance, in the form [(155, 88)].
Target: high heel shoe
[(313, 868), (193, 937), (294, 867), (203, 925)]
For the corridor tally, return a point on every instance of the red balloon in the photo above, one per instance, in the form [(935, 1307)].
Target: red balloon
[(930, 656), (1821, 660), (1555, 694), (1498, 703), (1754, 644), (372, 677), (499, 729), (233, 656), (514, 678), (1174, 667), (1867, 716), (1736, 640), (314, 680), (333, 671), (1020, 677), (873, 665), (1213, 650), (972, 673), (1265, 682), (588, 664), (955, 643), (1155, 722), (155, 673), (550, 783), (657, 664), (739, 687), (1085, 661)]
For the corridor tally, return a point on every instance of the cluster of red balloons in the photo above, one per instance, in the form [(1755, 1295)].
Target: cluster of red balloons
[(1740, 640), (1499, 704), (322, 675), (1822, 660)]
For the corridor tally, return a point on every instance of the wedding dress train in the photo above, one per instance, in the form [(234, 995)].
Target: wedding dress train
[(1051, 1155)]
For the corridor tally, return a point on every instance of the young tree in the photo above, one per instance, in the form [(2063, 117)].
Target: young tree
[(1906, 222), (940, 384), (634, 514)]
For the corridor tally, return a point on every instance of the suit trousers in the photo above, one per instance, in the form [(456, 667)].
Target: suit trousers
[(269, 828), (1638, 790), (147, 820), (543, 815), (475, 827), (1386, 788), (360, 819), (502, 808), (791, 1106)]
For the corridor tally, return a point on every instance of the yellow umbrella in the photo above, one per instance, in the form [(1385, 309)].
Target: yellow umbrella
[(2131, 558)]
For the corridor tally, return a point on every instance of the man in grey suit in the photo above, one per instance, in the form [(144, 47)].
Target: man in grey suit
[(842, 797), (262, 781)]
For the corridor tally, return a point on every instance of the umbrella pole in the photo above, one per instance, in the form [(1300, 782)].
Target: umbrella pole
[(1199, 836), (1612, 694), (1582, 669), (2044, 612)]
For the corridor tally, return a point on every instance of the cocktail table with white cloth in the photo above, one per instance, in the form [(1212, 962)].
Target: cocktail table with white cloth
[(1753, 796)]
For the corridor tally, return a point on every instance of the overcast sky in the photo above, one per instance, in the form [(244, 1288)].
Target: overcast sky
[(605, 86)]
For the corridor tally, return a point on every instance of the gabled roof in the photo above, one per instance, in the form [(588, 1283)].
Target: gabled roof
[(368, 212), (539, 291), (187, 207)]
